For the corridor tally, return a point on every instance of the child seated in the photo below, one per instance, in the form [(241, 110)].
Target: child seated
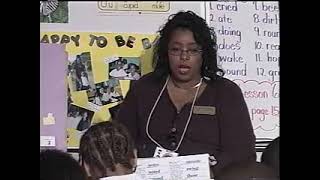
[(56, 164), (107, 152)]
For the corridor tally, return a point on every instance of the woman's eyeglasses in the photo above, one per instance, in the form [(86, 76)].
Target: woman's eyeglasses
[(190, 52)]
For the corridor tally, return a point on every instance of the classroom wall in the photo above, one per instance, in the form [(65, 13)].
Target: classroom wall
[(247, 36)]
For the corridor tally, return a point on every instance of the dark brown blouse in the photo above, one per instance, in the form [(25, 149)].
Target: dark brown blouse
[(227, 135)]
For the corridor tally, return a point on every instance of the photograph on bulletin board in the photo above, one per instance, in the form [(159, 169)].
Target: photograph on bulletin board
[(78, 121), (54, 11), (106, 92), (79, 118), (124, 68), (80, 70)]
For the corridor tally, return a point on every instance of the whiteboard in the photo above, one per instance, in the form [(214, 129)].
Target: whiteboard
[(248, 51)]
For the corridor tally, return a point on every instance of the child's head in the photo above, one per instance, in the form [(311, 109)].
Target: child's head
[(108, 89), (106, 149), (132, 68), (101, 91), (246, 171), (270, 155), (85, 114), (56, 164), (78, 59), (119, 64)]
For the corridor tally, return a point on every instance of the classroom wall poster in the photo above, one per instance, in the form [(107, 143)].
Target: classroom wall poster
[(100, 68)]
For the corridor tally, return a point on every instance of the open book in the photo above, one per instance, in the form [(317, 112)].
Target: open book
[(191, 167)]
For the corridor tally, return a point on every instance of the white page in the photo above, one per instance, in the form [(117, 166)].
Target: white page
[(192, 167)]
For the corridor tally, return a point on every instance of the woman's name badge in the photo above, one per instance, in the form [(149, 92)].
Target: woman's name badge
[(209, 110), (161, 152)]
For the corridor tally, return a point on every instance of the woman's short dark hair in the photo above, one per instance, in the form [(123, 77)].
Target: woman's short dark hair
[(203, 35), (270, 155), (56, 164), (247, 171)]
